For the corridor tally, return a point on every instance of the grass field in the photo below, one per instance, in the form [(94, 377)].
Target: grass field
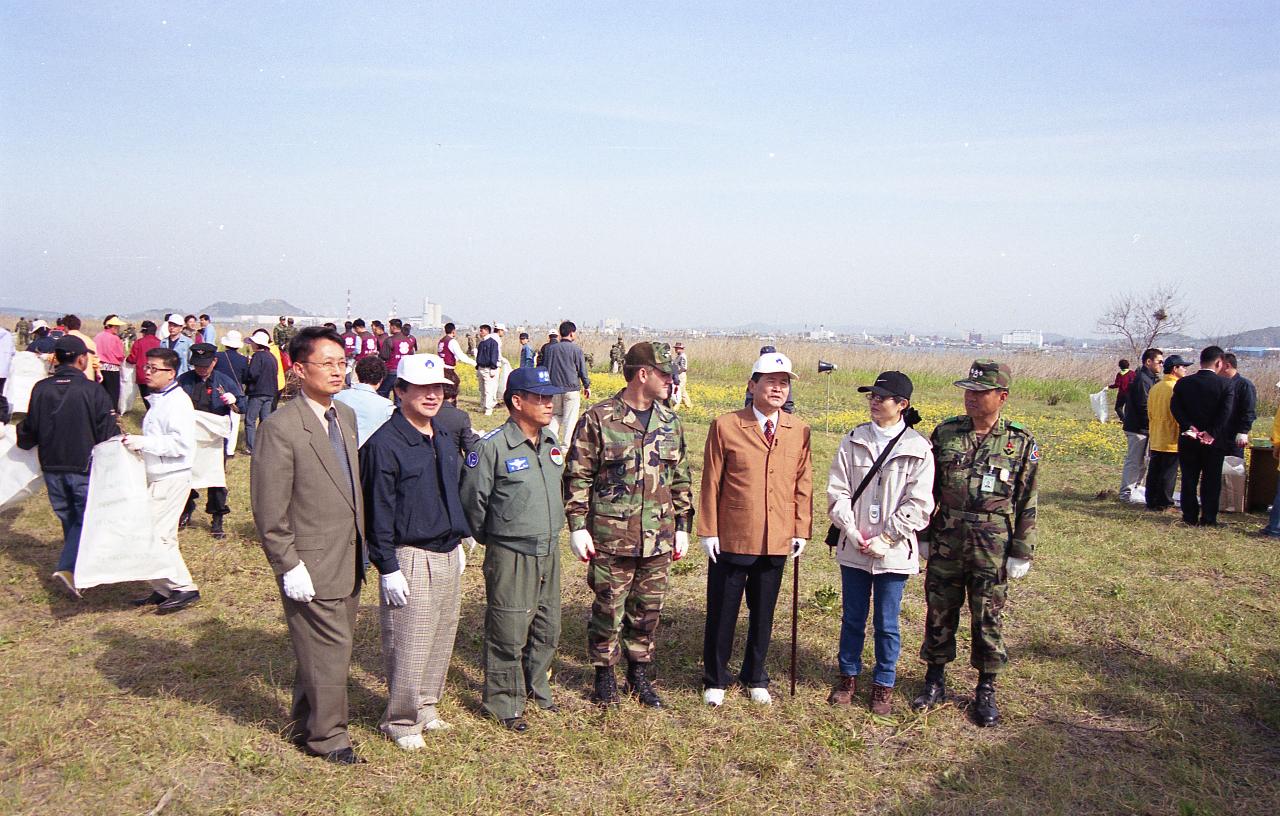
[(1144, 677)]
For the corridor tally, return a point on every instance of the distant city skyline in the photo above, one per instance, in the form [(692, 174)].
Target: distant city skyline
[(713, 164)]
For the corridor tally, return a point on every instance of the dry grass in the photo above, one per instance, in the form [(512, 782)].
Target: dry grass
[(1144, 680)]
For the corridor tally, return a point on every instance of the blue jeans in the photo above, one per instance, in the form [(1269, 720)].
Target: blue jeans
[(68, 494), (857, 588), (1273, 524), (256, 410)]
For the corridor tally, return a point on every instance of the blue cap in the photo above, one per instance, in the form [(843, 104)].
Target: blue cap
[(532, 380)]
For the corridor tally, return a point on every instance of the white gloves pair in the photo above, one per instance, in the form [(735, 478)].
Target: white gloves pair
[(877, 546), (584, 549), (711, 545)]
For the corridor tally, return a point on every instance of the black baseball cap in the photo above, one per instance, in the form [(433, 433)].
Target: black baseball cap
[(70, 345), (1173, 361), (202, 354), (890, 384)]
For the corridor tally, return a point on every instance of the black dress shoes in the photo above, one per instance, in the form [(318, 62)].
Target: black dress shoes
[(184, 520), (342, 756), (154, 599), (177, 602), (516, 724)]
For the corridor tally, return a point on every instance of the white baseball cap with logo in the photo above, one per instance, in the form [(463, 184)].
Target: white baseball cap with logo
[(175, 319), (422, 369), (774, 363)]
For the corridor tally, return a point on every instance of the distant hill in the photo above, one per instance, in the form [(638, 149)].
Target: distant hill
[(1267, 338), (272, 306)]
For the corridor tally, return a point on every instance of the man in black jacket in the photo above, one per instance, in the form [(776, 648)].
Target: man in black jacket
[(1202, 404), (1135, 420), (67, 416), (1245, 412)]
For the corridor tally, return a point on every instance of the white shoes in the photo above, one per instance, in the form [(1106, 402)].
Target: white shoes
[(411, 742), (761, 696), (437, 725), (713, 697)]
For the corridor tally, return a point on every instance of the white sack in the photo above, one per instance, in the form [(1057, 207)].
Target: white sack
[(118, 542), (208, 469), (28, 368), (504, 371), (128, 388), (1099, 402), (235, 434), (20, 476), (1232, 498)]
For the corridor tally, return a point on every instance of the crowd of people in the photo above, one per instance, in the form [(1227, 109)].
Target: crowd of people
[(360, 456)]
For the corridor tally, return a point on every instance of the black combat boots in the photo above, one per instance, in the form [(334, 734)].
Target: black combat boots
[(985, 713), (641, 687), (935, 689), (606, 690), (216, 528)]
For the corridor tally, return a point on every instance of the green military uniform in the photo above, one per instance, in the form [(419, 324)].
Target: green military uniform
[(630, 486), (616, 355), (23, 330), (985, 490), (511, 493), (280, 334)]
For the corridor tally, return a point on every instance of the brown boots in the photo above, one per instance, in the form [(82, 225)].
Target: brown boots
[(846, 690), (880, 697)]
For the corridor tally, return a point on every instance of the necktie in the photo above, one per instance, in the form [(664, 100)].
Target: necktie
[(768, 432), (339, 447)]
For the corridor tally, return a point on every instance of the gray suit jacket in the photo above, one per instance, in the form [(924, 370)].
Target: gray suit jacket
[(302, 506)]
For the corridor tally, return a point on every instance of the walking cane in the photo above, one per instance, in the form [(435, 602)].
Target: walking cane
[(795, 615)]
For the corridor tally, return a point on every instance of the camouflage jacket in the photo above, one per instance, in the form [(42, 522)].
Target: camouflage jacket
[(630, 487), (988, 488), (281, 335)]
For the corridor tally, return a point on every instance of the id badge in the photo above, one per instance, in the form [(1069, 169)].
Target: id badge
[(989, 483), (875, 514)]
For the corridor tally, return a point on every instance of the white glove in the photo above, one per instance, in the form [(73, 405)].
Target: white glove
[(395, 589), (1242, 440), (711, 544), (582, 545), (1018, 567), (228, 399), (297, 584), (133, 442), (682, 545), (797, 547), (470, 543), (462, 559), (876, 547)]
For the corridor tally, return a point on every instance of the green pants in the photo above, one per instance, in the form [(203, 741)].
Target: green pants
[(960, 564), (521, 629)]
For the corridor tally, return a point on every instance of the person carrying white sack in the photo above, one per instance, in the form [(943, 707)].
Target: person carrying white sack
[(167, 444)]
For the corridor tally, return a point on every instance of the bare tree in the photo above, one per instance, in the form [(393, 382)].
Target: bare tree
[(1140, 319)]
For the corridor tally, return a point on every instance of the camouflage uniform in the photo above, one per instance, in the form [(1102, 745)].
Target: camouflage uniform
[(281, 335), (23, 331), (986, 512), (616, 353), (631, 488)]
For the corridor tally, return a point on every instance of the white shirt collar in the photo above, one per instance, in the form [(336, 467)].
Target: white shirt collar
[(760, 418)]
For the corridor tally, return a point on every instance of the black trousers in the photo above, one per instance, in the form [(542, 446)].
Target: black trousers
[(759, 579), (111, 382), (214, 505), (1162, 475), (1201, 468)]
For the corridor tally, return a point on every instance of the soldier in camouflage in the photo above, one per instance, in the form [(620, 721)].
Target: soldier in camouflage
[(616, 355), (629, 503), (981, 534), (23, 331)]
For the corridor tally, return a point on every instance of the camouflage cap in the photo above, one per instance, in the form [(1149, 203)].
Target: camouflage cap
[(653, 354), (987, 375)]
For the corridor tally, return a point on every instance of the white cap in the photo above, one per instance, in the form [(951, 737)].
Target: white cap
[(261, 338), (774, 363), (499, 326), (175, 319), (39, 324), (422, 369), (232, 339)]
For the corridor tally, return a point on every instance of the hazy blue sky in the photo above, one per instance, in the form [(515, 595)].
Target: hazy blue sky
[(1006, 165)]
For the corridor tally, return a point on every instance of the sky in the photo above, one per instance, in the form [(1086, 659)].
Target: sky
[(931, 167)]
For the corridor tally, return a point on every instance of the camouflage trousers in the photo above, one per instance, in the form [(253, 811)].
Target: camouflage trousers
[(629, 596), (964, 562)]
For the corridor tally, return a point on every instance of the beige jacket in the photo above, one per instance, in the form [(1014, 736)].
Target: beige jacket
[(903, 490)]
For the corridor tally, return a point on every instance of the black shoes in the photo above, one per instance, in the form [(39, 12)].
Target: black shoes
[(342, 756), (516, 724), (177, 602), (934, 692), (215, 529), (184, 520), (641, 687), (985, 713), (606, 687), (154, 599)]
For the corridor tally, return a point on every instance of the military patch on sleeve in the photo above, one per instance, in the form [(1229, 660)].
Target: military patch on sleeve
[(557, 455), (1035, 452), (473, 459), (517, 464)]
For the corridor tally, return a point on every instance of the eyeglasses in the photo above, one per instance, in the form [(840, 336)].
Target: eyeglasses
[(536, 399), (150, 369), (329, 365), (877, 398)]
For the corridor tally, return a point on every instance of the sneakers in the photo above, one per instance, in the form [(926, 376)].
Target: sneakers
[(760, 696), (65, 577), (641, 687), (606, 687), (845, 690), (880, 699), (411, 742), (713, 697)]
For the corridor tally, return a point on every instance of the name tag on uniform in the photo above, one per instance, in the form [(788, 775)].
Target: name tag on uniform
[(989, 483), (519, 463)]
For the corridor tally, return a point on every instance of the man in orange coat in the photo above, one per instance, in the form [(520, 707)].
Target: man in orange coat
[(756, 509)]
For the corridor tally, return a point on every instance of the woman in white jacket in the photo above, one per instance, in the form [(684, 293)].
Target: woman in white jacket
[(877, 549)]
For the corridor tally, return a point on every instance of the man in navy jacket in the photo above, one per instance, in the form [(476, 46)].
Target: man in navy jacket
[(1202, 404)]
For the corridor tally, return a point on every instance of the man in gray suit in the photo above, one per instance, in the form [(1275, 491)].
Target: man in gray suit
[(309, 512)]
